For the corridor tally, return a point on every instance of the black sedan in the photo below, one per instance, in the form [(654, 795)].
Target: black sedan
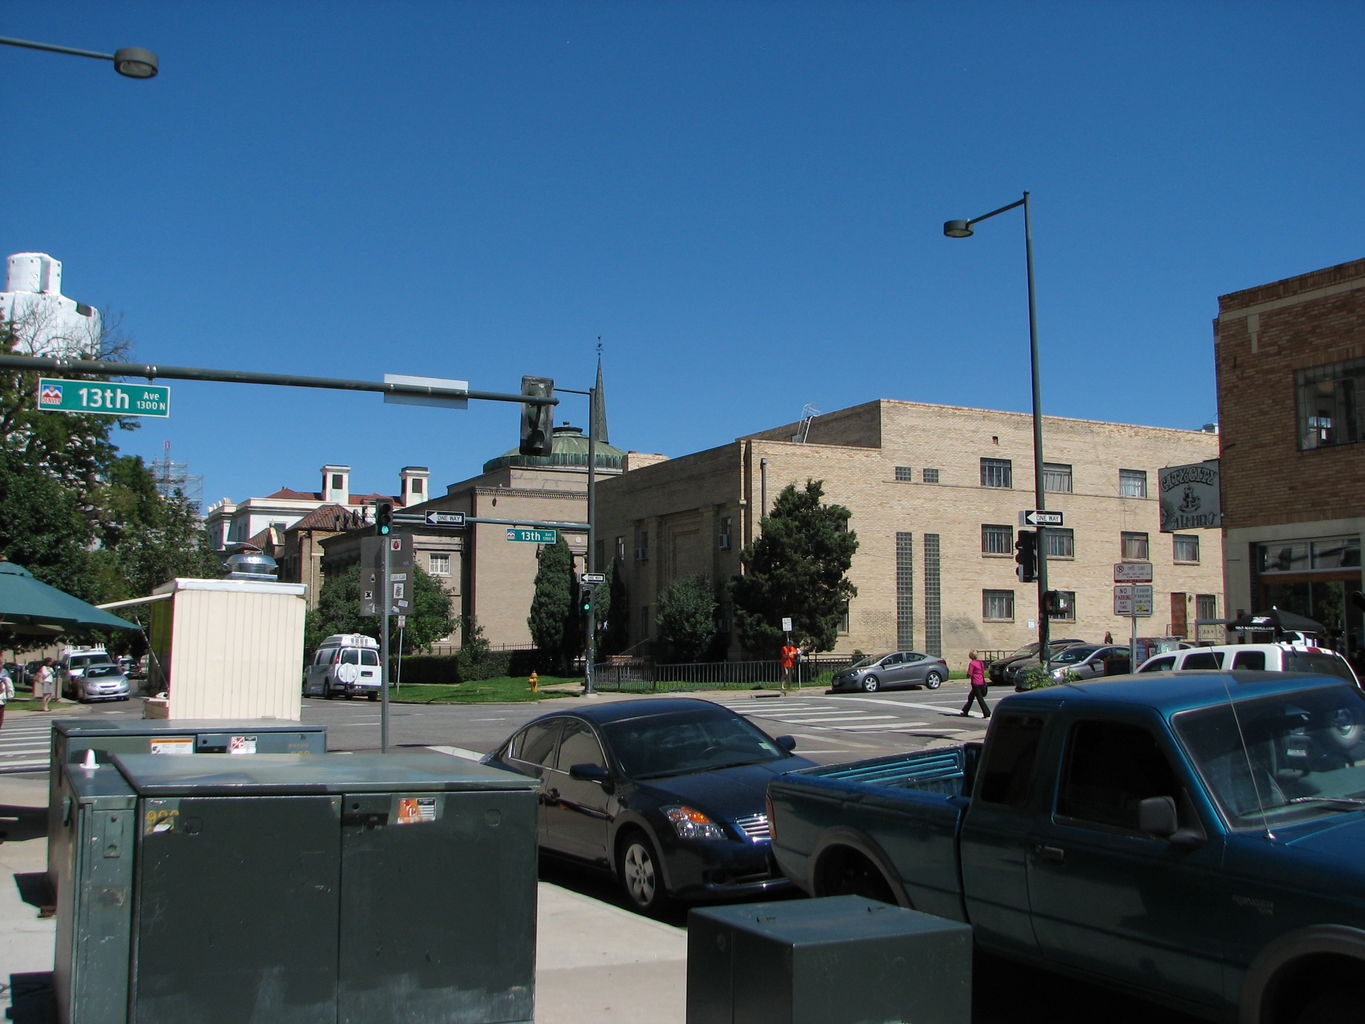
[(666, 793)]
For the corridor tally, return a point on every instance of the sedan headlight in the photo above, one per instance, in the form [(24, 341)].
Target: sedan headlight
[(690, 823)]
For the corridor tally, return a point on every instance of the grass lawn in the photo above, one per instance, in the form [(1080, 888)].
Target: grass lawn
[(502, 690)]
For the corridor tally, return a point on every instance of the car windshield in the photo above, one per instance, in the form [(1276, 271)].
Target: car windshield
[(1071, 655), (1028, 650), (90, 663), (682, 742), (98, 670), (1281, 759)]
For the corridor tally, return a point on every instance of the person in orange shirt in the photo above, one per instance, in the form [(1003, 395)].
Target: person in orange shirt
[(789, 655)]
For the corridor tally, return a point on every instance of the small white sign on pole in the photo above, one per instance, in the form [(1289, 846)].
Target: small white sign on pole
[(1132, 572), (786, 624), (1133, 600)]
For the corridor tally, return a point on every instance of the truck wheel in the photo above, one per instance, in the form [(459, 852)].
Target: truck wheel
[(849, 873), (933, 680), (870, 684), (1331, 1006), (641, 877), (374, 696)]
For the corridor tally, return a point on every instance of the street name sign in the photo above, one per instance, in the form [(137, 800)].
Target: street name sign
[(1041, 517), (593, 578), (1134, 601), (534, 536), (1132, 572), (103, 397)]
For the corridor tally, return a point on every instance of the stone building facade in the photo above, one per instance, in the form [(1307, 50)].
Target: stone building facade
[(936, 494), (1290, 359)]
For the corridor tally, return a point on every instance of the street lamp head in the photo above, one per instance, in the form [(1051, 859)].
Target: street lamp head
[(135, 62), (957, 228)]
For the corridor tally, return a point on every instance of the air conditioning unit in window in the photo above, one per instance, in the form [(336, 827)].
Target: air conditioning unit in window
[(725, 542)]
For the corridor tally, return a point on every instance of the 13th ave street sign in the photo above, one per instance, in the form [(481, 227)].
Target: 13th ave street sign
[(103, 397), (534, 536)]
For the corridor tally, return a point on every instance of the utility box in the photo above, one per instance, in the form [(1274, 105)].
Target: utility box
[(281, 888), (836, 960), (72, 737), (227, 649)]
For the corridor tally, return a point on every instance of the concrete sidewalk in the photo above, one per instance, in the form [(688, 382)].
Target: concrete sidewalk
[(594, 962)]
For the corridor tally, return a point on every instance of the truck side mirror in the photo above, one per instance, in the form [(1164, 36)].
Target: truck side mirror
[(1158, 817)]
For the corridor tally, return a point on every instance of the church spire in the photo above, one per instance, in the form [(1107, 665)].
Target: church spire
[(599, 421)]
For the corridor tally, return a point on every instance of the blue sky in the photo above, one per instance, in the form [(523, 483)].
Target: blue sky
[(743, 200)]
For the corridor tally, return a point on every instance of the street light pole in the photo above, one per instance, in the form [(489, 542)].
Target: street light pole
[(130, 61), (963, 229)]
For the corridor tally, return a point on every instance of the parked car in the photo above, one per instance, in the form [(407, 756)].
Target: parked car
[(667, 794), (1083, 661), (996, 669), (345, 664), (1272, 657), (1009, 676), (92, 677), (886, 671)]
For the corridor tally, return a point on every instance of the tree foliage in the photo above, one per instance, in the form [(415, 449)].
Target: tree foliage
[(687, 617), (554, 620), (338, 611), (797, 569), (613, 614)]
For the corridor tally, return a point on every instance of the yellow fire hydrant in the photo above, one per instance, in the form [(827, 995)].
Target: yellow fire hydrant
[(534, 681)]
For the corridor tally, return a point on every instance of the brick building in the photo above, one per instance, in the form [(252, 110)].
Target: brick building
[(935, 493), (1290, 359)]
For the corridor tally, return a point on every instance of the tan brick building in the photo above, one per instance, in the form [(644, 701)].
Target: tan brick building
[(935, 494), (1290, 360)]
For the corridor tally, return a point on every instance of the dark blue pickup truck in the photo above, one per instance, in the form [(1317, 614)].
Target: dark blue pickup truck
[(1197, 838)]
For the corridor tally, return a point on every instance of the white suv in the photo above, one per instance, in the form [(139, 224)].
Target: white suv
[(1276, 657)]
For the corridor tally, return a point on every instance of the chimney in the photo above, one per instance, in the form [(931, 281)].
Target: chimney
[(414, 485), (336, 484)]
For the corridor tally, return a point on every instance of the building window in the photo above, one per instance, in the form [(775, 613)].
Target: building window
[(929, 476), (997, 473), (417, 485), (642, 545), (1185, 547), (1057, 477), (905, 590), (620, 549), (1303, 555), (1205, 607), (438, 564), (1066, 607), (336, 481), (723, 539), (1133, 547), (1132, 483), (997, 540), (1330, 404), (933, 596), (1060, 541), (997, 605), (905, 473)]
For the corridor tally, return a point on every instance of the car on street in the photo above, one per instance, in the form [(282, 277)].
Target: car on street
[(995, 671), (92, 677), (888, 671), (667, 794), (1081, 661)]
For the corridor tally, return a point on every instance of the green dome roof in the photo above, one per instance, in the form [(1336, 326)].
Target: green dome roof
[(570, 450)]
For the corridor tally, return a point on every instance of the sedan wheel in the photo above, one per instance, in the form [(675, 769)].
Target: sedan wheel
[(641, 877), (870, 684), (933, 680)]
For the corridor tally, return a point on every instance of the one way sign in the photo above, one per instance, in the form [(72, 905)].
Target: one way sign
[(1040, 517)]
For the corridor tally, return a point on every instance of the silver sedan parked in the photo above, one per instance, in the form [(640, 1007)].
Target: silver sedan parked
[(899, 668), (1084, 661)]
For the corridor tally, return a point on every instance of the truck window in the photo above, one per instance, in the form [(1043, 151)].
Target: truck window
[(1009, 760), (1159, 664), (1249, 659), (1204, 659), (1109, 768)]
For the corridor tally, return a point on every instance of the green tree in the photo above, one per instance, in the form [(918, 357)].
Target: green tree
[(797, 569), (338, 611), (613, 613), (555, 620), (687, 617)]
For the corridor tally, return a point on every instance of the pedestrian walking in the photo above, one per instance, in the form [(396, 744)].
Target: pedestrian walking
[(45, 683), (788, 659), (6, 692), (976, 686), (1108, 637)]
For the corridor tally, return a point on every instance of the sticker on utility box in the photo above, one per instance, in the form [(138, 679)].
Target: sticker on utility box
[(242, 745), (160, 816), (171, 745), (416, 810)]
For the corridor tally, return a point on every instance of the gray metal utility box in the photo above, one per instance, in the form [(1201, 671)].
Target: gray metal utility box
[(72, 737), (284, 888), (836, 960)]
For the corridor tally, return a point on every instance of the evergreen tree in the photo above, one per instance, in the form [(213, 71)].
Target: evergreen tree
[(687, 617), (555, 621), (797, 569), (613, 616)]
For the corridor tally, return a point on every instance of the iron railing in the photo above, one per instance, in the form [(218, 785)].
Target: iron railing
[(643, 675)]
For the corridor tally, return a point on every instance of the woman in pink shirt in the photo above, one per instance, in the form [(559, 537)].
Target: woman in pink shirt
[(976, 679)]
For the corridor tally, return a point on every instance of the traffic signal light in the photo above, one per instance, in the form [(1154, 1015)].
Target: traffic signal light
[(537, 430), (585, 598), (383, 518), (1026, 554)]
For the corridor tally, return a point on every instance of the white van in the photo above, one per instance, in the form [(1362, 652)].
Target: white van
[(1276, 657), (346, 664)]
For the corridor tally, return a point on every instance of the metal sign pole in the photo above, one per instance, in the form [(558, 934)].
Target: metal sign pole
[(386, 597)]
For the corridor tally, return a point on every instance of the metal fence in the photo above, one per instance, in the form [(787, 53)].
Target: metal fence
[(643, 675)]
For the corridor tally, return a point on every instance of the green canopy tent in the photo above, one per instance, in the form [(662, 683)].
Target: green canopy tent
[(31, 608)]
